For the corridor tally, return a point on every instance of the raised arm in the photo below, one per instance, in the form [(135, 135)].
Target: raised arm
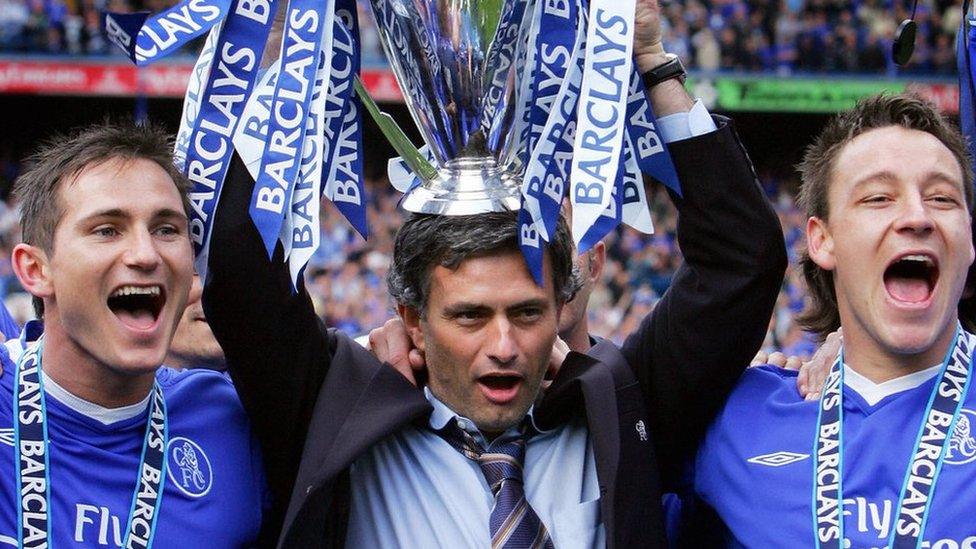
[(689, 351), (277, 350), (702, 334)]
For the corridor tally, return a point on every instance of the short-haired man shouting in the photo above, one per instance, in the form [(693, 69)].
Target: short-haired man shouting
[(887, 456), (98, 445)]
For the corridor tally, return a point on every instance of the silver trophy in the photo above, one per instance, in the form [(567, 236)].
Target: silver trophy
[(455, 63)]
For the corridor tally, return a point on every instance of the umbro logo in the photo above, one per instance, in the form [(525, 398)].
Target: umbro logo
[(7, 436), (778, 459)]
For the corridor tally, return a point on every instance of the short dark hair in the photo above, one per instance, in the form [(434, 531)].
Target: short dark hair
[(880, 111), (62, 158), (424, 241)]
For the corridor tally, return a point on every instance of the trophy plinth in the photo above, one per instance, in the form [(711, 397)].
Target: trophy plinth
[(465, 186)]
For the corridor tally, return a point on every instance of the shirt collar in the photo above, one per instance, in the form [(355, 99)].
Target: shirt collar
[(442, 415)]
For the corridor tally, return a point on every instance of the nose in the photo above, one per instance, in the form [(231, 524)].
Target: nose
[(914, 216), (503, 349), (141, 253), (196, 290)]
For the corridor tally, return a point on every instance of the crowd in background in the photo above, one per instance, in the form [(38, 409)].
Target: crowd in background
[(784, 36), (347, 276), (788, 36)]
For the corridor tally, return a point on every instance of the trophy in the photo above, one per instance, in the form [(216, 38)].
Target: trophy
[(455, 63), (520, 103)]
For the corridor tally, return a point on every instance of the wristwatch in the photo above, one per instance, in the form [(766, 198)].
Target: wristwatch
[(672, 68)]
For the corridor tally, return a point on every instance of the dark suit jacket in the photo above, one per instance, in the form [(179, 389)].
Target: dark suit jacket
[(317, 400)]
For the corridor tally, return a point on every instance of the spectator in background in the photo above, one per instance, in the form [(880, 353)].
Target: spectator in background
[(194, 345)]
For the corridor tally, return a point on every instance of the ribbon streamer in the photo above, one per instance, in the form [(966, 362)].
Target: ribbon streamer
[(237, 54), (602, 110), (289, 114), (343, 169), (965, 50), (146, 38), (220, 112), (300, 232)]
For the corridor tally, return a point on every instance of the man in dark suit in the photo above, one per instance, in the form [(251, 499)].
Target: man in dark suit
[(356, 455)]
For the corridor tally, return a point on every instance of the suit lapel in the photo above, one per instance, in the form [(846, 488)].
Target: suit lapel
[(583, 381), (361, 402)]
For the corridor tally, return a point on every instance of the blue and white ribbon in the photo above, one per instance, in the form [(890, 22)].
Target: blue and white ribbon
[(517, 141), (924, 462), (602, 113), (547, 171), (231, 79), (300, 232), (649, 149), (252, 132), (147, 38), (560, 33), (402, 178), (635, 209), (609, 218), (194, 92), (289, 114), (33, 462), (343, 165), (321, 155)]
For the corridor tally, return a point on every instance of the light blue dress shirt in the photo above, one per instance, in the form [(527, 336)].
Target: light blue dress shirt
[(414, 490), (685, 125)]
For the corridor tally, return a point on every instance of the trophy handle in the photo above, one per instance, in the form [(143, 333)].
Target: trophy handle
[(391, 130)]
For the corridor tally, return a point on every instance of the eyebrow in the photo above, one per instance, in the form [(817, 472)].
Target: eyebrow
[(471, 306), (529, 303), (119, 213), (889, 177)]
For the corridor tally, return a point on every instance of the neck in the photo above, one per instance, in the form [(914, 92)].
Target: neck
[(863, 355), (82, 375), (181, 362), (578, 337)]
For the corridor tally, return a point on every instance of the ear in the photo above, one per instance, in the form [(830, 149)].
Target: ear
[(598, 260), (820, 244), (30, 264), (411, 321)]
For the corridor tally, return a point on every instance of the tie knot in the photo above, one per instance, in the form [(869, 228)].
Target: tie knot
[(513, 523), (503, 462)]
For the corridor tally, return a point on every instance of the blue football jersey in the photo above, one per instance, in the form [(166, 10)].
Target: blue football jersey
[(214, 490), (755, 466)]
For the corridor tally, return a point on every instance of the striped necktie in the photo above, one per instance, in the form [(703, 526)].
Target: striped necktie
[(512, 524)]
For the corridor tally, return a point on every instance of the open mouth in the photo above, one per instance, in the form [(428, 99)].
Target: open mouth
[(137, 306), (912, 278), (500, 388)]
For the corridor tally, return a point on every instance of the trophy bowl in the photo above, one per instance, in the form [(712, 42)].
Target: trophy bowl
[(455, 63)]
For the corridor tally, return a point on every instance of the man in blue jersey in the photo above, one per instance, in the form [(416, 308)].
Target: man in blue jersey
[(103, 448), (887, 457)]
